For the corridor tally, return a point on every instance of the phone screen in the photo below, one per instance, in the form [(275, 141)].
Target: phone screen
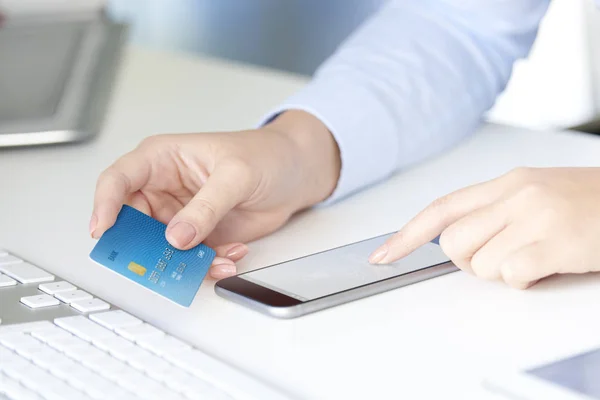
[(340, 269)]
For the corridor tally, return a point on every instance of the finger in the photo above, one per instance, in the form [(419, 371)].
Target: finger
[(435, 218), (227, 186), (529, 264), (487, 261), (232, 251), (244, 227), (464, 238), (138, 201), (126, 176), (164, 205), (222, 268)]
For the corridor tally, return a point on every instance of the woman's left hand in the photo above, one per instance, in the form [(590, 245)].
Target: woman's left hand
[(520, 227)]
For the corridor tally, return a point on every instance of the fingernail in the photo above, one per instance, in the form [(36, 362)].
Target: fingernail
[(223, 270), (378, 255), (181, 234), (93, 224), (238, 251)]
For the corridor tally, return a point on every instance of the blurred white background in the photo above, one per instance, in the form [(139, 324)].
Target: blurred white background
[(558, 86)]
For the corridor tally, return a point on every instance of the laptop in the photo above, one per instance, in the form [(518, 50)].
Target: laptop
[(61, 342), (59, 60)]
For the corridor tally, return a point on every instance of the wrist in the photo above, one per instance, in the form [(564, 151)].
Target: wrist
[(316, 151)]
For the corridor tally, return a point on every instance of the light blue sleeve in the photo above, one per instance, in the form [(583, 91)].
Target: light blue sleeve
[(414, 80)]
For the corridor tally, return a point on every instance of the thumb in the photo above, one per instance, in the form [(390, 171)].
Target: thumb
[(228, 185)]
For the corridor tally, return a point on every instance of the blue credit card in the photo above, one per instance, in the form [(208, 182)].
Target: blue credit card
[(136, 247)]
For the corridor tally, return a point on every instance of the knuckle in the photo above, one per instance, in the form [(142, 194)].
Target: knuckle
[(440, 202), (113, 175), (105, 175), (238, 166), (521, 174), (449, 244), (245, 174), (534, 191), (153, 140), (206, 211), (476, 264), (548, 217), (479, 263)]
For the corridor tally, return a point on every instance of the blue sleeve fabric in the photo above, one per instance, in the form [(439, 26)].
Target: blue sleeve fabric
[(414, 80)]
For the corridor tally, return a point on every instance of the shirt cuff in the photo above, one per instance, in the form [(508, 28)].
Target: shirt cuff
[(361, 126)]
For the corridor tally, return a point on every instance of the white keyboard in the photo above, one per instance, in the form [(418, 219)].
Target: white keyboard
[(90, 350)]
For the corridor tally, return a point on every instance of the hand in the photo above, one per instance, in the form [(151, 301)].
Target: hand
[(521, 227), (223, 189)]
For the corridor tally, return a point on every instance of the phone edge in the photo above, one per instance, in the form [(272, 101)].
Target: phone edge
[(336, 299)]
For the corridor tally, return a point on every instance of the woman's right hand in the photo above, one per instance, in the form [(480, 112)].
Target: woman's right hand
[(222, 188)]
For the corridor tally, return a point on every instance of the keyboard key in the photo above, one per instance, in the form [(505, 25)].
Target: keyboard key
[(156, 368), (87, 354), (37, 379), (195, 387), (4, 352), (26, 273), (163, 344), (6, 281), (14, 390), (51, 333), (115, 319), (25, 327), (29, 350), (84, 328), (63, 392), (178, 380), (19, 341), (105, 362), (138, 332), (98, 387), (131, 379), (63, 368), (134, 356), (9, 259), (92, 305), (56, 287), (207, 368), (76, 353), (16, 368), (39, 301), (46, 357), (117, 346), (217, 394), (66, 344), (107, 366), (78, 378), (73, 295), (160, 392)]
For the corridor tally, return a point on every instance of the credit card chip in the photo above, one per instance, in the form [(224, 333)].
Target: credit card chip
[(137, 268)]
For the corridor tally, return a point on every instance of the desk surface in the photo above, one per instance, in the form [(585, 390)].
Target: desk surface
[(428, 340)]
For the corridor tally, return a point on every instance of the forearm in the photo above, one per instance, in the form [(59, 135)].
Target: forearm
[(415, 80)]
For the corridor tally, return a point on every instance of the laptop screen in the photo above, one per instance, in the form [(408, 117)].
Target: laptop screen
[(580, 373), (37, 61)]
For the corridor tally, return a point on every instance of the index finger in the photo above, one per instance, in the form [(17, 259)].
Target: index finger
[(127, 175), (435, 218)]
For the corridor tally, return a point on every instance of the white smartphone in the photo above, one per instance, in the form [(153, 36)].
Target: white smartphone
[(572, 378), (311, 283)]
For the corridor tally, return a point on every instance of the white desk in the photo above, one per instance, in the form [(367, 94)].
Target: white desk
[(431, 340)]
